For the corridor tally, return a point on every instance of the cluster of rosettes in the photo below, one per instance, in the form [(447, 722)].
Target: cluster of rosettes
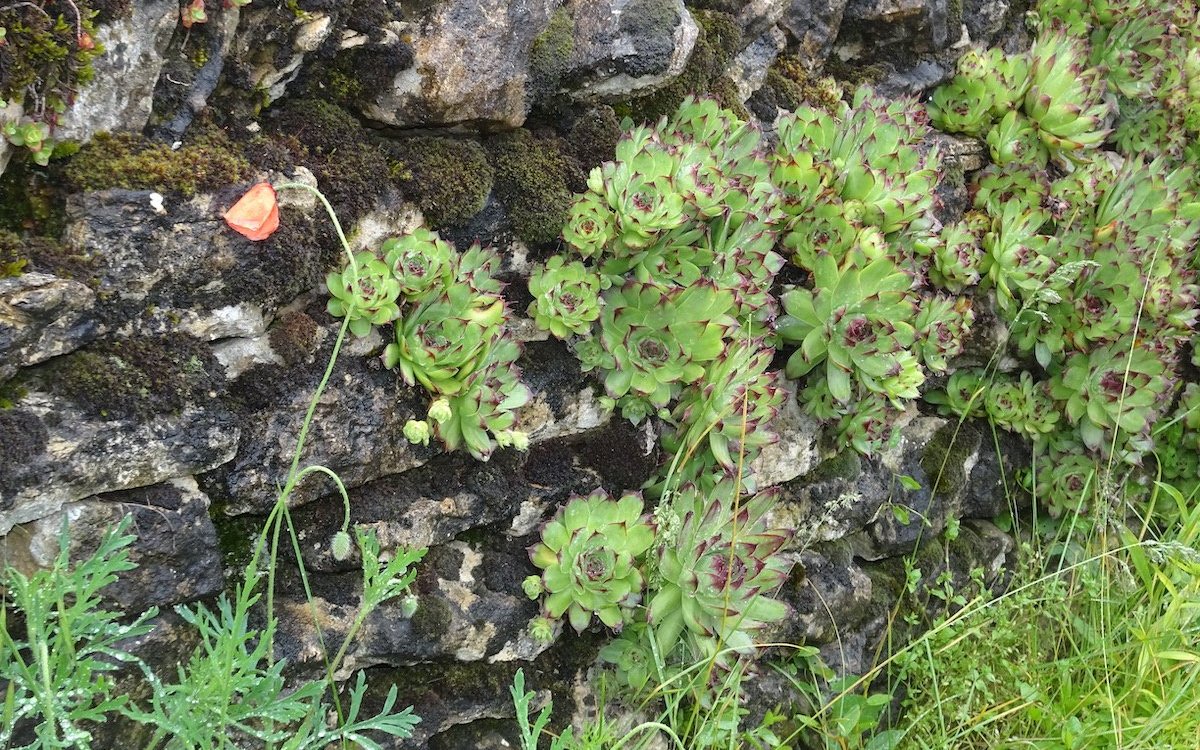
[(858, 191), (668, 273), (1150, 55), (1090, 254), (450, 335)]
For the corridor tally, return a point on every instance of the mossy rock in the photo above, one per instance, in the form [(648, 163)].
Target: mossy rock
[(845, 465), (32, 198), (448, 178), (347, 159), (207, 161), (27, 253), (42, 58), (135, 378), (536, 181), (719, 42), (593, 136), (795, 86), (944, 458), (549, 55)]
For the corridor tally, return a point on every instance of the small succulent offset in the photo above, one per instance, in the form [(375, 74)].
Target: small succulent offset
[(589, 559), (566, 297), (719, 574), (366, 291)]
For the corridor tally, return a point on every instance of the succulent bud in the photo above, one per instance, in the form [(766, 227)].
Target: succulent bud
[(417, 432)]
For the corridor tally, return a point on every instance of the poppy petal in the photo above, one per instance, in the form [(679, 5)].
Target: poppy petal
[(256, 215)]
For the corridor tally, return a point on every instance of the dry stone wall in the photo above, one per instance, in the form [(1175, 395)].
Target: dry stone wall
[(154, 364)]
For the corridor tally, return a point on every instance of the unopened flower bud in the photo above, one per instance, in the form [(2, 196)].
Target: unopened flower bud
[(340, 546)]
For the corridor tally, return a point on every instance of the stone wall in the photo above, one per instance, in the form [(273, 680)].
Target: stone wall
[(155, 364)]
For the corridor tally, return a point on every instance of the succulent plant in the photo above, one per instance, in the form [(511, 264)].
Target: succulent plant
[(855, 320), (1020, 405), (824, 229), (956, 258), (964, 105), (441, 342), (483, 411), (1015, 139), (1066, 99), (639, 189), (1115, 386), (867, 427), (718, 574), (942, 324), (589, 558), (566, 297), (1005, 76), (590, 225), (729, 413), (421, 262), (997, 187), (658, 339), (964, 395), (365, 292), (631, 656), (1018, 258), (1064, 481)]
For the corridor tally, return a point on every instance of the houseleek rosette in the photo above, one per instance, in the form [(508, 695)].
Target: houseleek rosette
[(589, 555), (366, 291)]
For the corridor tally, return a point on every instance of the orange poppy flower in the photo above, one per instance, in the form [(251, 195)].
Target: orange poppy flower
[(256, 215)]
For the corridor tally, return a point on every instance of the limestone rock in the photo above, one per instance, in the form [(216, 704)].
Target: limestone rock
[(814, 24), (272, 73), (622, 48), (120, 97), (471, 61), (175, 550), (749, 68), (42, 316), (85, 456)]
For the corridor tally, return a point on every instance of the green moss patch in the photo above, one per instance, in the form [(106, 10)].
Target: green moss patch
[(135, 378), (549, 55), (23, 254), (42, 61), (448, 178), (944, 458), (347, 160), (127, 160), (536, 181)]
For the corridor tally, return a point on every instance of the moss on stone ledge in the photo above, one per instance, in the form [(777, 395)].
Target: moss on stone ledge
[(719, 41), (536, 182), (448, 178), (134, 378), (944, 458), (127, 160)]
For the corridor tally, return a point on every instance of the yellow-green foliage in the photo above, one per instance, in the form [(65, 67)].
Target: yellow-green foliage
[(131, 161)]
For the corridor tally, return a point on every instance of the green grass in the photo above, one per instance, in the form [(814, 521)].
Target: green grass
[(1096, 644)]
